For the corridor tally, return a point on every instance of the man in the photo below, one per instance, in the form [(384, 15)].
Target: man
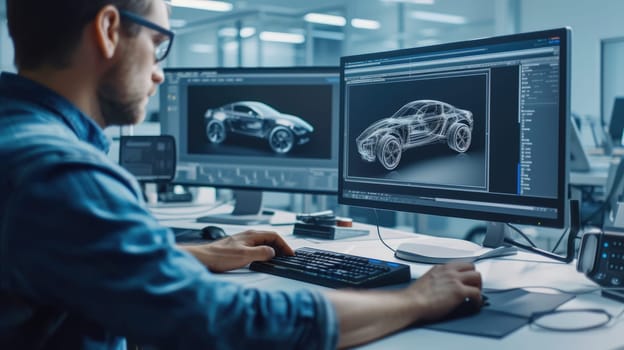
[(82, 262)]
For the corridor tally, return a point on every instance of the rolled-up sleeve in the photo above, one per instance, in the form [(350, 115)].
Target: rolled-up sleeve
[(87, 245)]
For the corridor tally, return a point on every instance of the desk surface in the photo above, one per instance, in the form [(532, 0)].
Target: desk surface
[(522, 270)]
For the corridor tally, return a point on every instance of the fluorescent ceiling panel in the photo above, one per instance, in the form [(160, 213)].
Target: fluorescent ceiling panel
[(207, 5), (365, 23), (280, 37), (438, 17), (321, 18)]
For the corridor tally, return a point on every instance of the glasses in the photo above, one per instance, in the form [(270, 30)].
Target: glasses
[(162, 49), (571, 320)]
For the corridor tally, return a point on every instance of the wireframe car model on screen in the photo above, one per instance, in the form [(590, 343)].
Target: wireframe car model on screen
[(257, 119), (417, 123)]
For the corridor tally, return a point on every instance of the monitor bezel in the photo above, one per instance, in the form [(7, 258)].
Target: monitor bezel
[(251, 70), (564, 116)]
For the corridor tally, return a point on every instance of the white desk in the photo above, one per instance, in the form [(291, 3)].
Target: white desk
[(521, 270)]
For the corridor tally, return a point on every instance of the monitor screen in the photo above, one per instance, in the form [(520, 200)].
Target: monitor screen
[(254, 128), (616, 123), (148, 158), (474, 129), (612, 85)]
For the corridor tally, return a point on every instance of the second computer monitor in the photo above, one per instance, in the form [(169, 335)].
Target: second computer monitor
[(473, 129), (254, 129)]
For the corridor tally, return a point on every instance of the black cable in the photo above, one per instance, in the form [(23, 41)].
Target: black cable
[(542, 252), (559, 240), (379, 232), (522, 234)]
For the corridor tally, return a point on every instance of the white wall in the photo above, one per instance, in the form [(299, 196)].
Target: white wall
[(591, 21)]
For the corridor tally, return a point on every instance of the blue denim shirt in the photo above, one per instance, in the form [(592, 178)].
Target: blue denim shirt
[(83, 264)]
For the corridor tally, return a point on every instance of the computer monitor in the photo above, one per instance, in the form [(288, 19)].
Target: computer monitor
[(253, 129), (579, 160), (474, 129), (612, 86), (616, 123), (148, 158)]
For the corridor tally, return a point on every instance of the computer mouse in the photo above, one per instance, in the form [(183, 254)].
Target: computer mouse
[(468, 308), (213, 233)]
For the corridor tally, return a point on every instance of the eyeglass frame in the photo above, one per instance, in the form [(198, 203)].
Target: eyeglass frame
[(133, 17)]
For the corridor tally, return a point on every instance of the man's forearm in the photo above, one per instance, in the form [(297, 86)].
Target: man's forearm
[(364, 316)]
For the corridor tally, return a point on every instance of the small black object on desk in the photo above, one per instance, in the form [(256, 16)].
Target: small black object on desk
[(204, 235), (213, 233), (325, 225), (468, 307)]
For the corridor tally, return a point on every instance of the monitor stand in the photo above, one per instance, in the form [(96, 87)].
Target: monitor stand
[(439, 250), (247, 211)]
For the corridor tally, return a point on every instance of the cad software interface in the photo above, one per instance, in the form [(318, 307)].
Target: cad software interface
[(273, 129), (467, 128)]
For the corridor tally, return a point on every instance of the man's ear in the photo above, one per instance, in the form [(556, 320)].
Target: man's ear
[(107, 28)]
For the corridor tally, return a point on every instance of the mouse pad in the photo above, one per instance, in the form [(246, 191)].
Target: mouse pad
[(506, 312)]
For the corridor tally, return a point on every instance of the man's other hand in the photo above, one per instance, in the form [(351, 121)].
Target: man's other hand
[(239, 250)]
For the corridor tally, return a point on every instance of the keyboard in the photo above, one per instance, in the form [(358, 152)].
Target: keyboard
[(335, 270)]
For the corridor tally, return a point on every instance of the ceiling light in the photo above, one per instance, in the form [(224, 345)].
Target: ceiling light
[(438, 17), (417, 2), (247, 32), (177, 23), (227, 32), (230, 32), (322, 18), (208, 5), (201, 48), (365, 23), (282, 37)]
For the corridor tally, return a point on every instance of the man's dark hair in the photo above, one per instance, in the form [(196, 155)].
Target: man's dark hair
[(47, 31)]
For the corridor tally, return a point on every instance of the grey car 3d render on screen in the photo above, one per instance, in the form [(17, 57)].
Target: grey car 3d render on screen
[(417, 123), (257, 119)]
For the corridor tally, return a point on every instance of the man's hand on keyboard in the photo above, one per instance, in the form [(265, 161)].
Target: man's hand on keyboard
[(240, 249)]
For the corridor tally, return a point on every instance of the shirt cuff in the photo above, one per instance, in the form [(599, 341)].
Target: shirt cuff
[(327, 322)]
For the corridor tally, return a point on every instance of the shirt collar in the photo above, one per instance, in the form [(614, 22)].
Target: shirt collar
[(85, 128)]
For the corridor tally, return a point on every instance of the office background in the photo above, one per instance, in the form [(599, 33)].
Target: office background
[(245, 36)]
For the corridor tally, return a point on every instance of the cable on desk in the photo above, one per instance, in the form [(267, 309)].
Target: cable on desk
[(379, 232), (561, 239), (586, 319), (550, 320), (522, 234)]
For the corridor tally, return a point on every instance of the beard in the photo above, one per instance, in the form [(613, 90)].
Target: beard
[(118, 99)]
